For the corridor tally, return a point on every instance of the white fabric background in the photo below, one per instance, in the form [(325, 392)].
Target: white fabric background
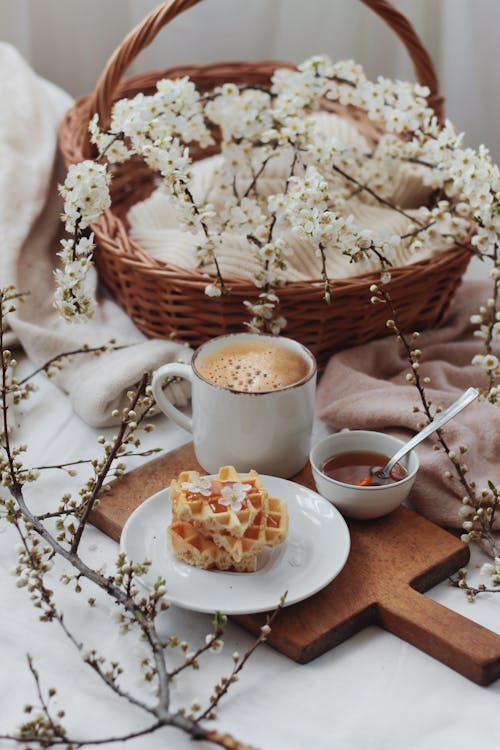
[(69, 41), (372, 692)]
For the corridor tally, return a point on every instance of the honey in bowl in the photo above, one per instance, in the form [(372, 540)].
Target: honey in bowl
[(355, 468)]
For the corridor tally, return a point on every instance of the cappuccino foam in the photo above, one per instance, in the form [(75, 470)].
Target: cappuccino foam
[(253, 366)]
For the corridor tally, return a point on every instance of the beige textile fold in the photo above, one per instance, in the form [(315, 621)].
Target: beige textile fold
[(30, 228), (365, 388)]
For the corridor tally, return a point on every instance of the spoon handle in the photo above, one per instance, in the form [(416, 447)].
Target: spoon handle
[(464, 400)]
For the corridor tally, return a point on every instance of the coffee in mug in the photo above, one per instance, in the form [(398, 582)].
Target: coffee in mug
[(252, 403), (254, 365)]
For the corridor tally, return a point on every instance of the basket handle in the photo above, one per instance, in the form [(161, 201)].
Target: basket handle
[(144, 33)]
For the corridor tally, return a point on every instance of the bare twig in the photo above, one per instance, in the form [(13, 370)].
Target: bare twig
[(80, 461), (118, 442), (482, 517), (375, 195), (64, 355), (240, 663)]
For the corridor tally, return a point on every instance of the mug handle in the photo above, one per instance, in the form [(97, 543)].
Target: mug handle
[(173, 369)]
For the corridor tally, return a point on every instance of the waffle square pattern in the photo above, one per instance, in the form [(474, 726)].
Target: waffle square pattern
[(224, 521)]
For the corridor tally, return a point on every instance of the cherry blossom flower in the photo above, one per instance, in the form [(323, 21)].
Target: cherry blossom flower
[(86, 194), (234, 495), (492, 570), (216, 644), (198, 486)]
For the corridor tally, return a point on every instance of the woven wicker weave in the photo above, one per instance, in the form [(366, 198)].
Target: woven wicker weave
[(166, 301)]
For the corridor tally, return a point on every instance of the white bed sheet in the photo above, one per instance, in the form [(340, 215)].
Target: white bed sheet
[(373, 692)]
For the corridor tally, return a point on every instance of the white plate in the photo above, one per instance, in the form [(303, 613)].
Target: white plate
[(314, 552)]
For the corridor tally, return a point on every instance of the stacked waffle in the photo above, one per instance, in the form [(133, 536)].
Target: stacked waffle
[(225, 521)]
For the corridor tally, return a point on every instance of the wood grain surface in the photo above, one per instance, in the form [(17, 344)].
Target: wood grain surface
[(393, 560)]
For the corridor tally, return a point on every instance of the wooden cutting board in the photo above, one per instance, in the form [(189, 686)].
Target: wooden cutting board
[(392, 561)]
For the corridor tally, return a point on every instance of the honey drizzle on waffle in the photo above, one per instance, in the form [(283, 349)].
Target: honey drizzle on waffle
[(206, 512)]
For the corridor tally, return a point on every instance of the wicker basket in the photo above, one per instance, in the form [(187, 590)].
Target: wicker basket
[(166, 301)]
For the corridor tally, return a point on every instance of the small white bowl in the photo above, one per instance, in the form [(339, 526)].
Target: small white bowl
[(354, 501)]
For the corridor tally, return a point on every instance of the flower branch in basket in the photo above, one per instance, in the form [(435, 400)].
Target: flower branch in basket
[(283, 179)]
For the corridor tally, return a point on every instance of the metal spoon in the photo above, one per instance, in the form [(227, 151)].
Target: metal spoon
[(380, 476)]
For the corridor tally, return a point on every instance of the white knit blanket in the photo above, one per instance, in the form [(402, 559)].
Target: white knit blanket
[(30, 227)]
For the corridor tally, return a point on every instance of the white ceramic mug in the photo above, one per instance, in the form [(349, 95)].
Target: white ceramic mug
[(269, 431)]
